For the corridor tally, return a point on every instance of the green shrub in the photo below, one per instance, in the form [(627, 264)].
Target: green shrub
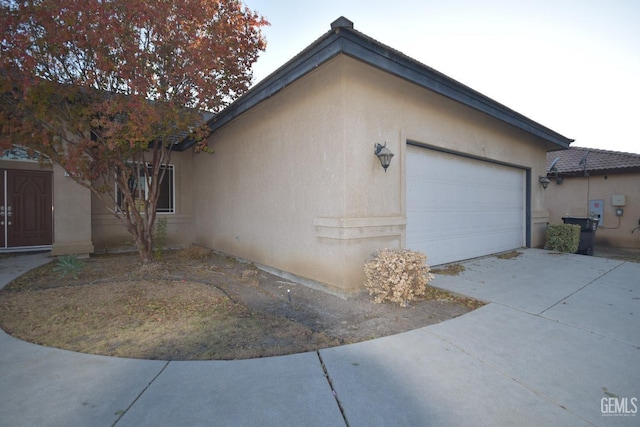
[(397, 275), (563, 238), (69, 264)]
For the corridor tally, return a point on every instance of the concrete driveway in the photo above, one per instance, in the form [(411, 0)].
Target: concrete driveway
[(558, 344)]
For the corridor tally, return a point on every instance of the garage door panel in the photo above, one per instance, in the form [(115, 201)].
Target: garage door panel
[(459, 208)]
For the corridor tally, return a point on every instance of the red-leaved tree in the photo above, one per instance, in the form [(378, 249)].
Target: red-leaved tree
[(106, 88)]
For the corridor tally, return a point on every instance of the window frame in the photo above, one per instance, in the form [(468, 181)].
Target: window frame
[(171, 191)]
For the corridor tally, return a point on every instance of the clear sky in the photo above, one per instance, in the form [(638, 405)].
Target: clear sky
[(571, 65)]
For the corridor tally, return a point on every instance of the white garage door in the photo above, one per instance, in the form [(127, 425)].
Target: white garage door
[(460, 208)]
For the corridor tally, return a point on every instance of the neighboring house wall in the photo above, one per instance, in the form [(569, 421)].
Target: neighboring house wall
[(294, 183), (571, 198), (110, 236)]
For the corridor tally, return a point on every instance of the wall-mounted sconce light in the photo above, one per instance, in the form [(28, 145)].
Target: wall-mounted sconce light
[(544, 181), (384, 154), (553, 169)]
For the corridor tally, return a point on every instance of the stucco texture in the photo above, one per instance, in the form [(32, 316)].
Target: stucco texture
[(110, 236), (294, 183)]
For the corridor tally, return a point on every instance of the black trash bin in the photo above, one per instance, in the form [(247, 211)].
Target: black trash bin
[(588, 227)]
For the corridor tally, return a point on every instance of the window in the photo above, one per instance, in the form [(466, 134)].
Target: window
[(166, 199), (167, 190)]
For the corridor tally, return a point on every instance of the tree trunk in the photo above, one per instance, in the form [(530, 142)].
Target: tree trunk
[(144, 244), (146, 253), (138, 214)]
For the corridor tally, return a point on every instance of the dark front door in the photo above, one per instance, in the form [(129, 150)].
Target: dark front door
[(26, 217)]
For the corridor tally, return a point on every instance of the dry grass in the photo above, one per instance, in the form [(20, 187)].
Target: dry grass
[(194, 253), (509, 255), (449, 270), (196, 306), (166, 320)]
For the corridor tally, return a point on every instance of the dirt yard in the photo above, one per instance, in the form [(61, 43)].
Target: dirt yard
[(199, 306)]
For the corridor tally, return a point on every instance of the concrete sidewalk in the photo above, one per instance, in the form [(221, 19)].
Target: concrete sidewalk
[(562, 333), (12, 267)]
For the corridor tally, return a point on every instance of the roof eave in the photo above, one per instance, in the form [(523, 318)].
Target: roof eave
[(345, 40), (600, 171)]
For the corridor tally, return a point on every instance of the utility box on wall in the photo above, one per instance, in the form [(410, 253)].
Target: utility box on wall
[(596, 209), (618, 200)]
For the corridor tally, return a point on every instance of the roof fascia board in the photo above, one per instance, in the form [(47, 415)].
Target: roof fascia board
[(356, 45), (402, 66), (322, 51)]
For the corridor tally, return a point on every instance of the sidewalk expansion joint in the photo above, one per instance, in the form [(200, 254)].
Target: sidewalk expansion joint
[(333, 390), (580, 289), (122, 413), (511, 377)]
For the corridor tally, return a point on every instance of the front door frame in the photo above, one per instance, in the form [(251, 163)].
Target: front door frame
[(44, 242)]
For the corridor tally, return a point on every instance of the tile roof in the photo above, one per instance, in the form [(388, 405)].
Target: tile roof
[(181, 140), (602, 161)]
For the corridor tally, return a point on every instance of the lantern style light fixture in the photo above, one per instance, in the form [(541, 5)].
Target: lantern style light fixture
[(544, 181), (384, 154)]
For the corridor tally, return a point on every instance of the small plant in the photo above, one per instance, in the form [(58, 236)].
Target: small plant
[(69, 264), (563, 238), (397, 275), (160, 238)]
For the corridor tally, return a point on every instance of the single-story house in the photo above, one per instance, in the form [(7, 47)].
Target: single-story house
[(295, 183), (586, 182)]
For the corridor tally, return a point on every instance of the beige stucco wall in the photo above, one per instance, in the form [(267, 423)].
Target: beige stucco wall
[(276, 171), (110, 236), (81, 223), (571, 198), (24, 165), (294, 183), (72, 216), (394, 110), (71, 210)]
